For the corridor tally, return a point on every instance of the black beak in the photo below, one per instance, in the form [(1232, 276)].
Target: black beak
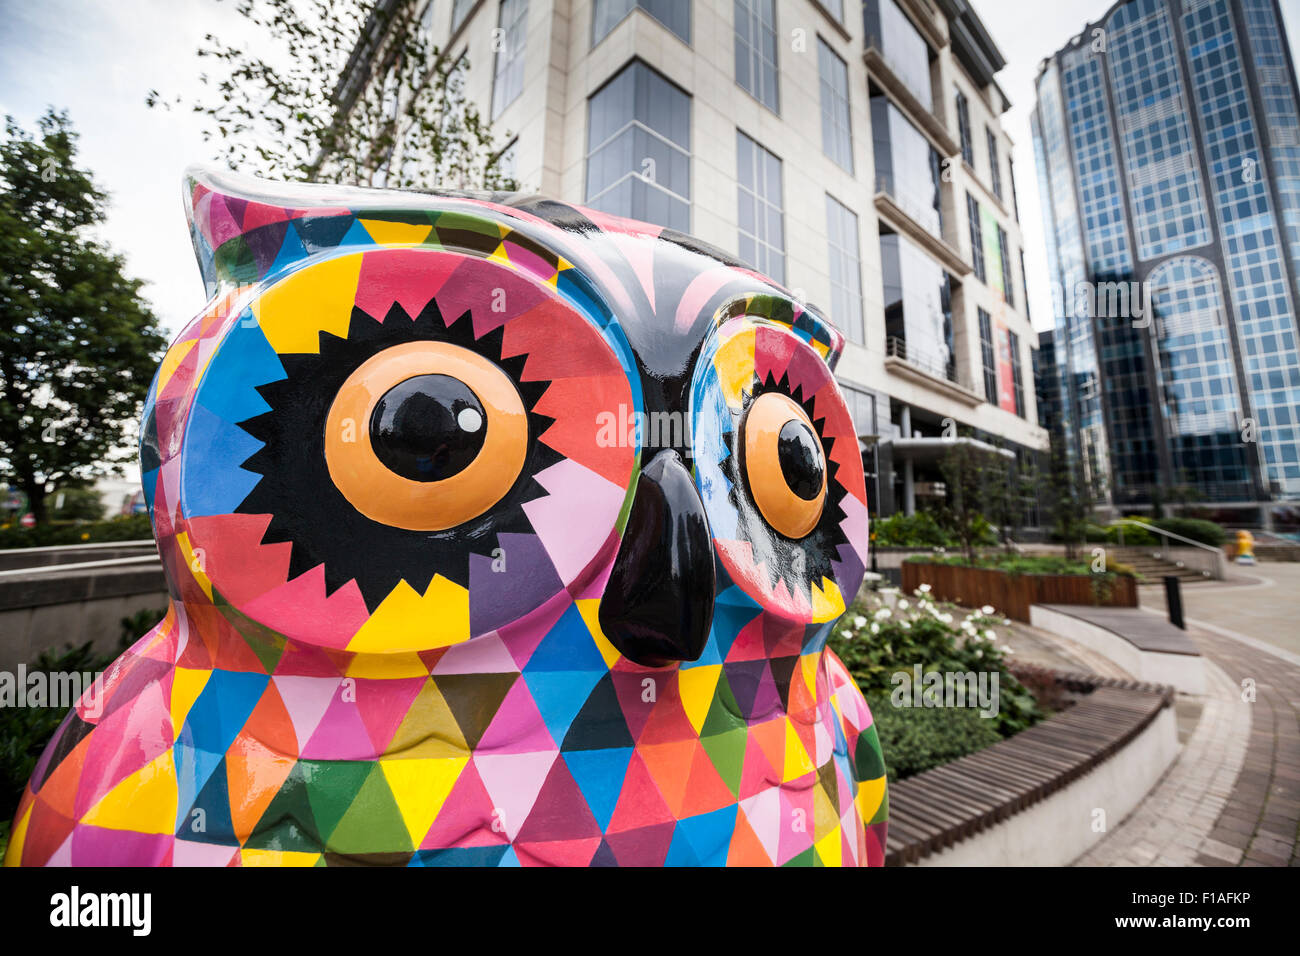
[(658, 604)]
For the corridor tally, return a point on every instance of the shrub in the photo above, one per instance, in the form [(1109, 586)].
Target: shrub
[(919, 530), (1206, 532), (122, 528), (914, 739), (1025, 564)]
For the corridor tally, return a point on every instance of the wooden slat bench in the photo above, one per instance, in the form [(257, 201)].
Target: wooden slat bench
[(938, 808)]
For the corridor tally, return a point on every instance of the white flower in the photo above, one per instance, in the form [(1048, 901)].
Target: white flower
[(987, 609), (875, 628), (905, 626), (946, 618), (1006, 620), (902, 604), (882, 614), (1007, 649), (989, 635), (979, 652), (859, 621), (924, 588)]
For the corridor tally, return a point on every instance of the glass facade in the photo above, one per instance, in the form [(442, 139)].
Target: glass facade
[(459, 11), (907, 166), (963, 129), (1017, 379), (976, 237), (890, 31), (995, 165), (508, 81), (756, 50), (607, 14), (988, 357), (1182, 146), (761, 208), (845, 264), (837, 140), (918, 306), (639, 148)]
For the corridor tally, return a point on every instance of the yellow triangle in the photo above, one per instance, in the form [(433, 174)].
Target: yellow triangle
[(428, 731), (797, 761), (562, 264), (696, 686), (294, 311), (499, 255), (420, 787), (250, 857), (171, 361), (827, 605), (144, 802), (503, 229), (870, 793), (734, 364), (387, 666), (187, 684), (589, 608), (808, 663), (830, 848), (408, 621), (825, 817), (397, 233), (14, 852)]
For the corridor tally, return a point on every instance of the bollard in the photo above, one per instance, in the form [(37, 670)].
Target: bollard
[(1174, 601)]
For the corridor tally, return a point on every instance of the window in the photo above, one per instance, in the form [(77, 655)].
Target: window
[(1015, 200), (459, 11), (1024, 284), (1005, 255), (507, 161), (426, 18), (509, 78), (837, 141), (995, 168), (976, 237), (918, 307), (762, 216), (835, 8), (963, 128), (989, 357), (900, 43), (674, 14), (756, 50), (639, 148), (845, 268), (907, 166), (1015, 373)]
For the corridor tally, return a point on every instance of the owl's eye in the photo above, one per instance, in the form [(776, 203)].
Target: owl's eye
[(784, 464), (426, 436)]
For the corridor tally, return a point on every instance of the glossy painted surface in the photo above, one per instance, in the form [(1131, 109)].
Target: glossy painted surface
[(616, 660)]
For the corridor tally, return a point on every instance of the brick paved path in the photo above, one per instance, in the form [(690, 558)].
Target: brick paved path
[(1233, 795)]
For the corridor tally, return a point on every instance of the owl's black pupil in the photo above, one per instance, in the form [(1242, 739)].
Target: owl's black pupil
[(428, 428), (800, 456)]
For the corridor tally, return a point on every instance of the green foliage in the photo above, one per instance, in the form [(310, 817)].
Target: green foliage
[(919, 530), (1206, 532), (78, 344), (875, 643), (321, 106), (914, 739), (79, 504), (121, 528)]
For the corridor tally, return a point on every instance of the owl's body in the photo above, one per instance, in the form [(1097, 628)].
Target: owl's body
[(497, 532)]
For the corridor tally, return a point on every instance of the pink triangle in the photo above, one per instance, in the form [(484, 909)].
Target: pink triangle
[(467, 816), (383, 704), (189, 853), (513, 782), (306, 699), (572, 520), (517, 727), (521, 638), (797, 816), (763, 812), (408, 277), (340, 735), (486, 654)]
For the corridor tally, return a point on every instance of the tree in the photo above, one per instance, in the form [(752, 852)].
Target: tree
[(975, 479), (1071, 498), (78, 345), (348, 91), (76, 503)]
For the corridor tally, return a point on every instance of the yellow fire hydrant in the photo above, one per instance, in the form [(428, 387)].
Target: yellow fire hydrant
[(1245, 547)]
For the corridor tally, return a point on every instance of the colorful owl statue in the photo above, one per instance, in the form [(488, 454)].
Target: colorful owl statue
[(499, 532)]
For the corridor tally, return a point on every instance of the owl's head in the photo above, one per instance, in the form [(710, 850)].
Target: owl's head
[(406, 421)]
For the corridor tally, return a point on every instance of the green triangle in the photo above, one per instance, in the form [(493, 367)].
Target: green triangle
[(807, 858), (267, 644), (332, 786), (882, 812), (235, 261), (373, 824), (288, 823), (826, 777), (868, 763), (727, 751), (724, 713)]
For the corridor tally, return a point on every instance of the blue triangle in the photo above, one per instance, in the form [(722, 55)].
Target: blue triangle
[(599, 774), (559, 696), (567, 646), (708, 834)]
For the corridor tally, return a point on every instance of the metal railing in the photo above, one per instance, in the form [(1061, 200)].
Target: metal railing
[(896, 347), (1216, 569)]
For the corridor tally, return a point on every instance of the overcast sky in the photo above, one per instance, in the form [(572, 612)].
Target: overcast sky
[(99, 60)]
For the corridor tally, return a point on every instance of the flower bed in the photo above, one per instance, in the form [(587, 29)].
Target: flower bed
[(1014, 591)]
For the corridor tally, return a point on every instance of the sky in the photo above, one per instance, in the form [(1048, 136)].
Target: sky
[(99, 59)]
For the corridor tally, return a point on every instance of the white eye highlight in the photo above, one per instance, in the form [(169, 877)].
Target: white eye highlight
[(469, 419)]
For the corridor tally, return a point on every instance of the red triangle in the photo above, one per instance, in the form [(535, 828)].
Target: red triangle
[(557, 852), (746, 849), (705, 789), (47, 829), (466, 817), (758, 773), (640, 803), (270, 723), (668, 721), (644, 846), (669, 766)]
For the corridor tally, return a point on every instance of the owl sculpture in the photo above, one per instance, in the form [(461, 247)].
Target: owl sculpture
[(497, 531)]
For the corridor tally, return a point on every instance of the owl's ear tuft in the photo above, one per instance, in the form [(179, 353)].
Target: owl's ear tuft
[(800, 318)]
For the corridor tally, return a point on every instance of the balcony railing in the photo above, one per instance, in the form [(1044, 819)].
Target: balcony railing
[(896, 347)]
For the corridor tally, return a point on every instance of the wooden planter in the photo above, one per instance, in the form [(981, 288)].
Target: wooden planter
[(1012, 594)]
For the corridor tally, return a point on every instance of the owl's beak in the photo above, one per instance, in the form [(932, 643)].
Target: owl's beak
[(658, 604)]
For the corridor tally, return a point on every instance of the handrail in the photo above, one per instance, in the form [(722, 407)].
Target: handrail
[(1168, 534)]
